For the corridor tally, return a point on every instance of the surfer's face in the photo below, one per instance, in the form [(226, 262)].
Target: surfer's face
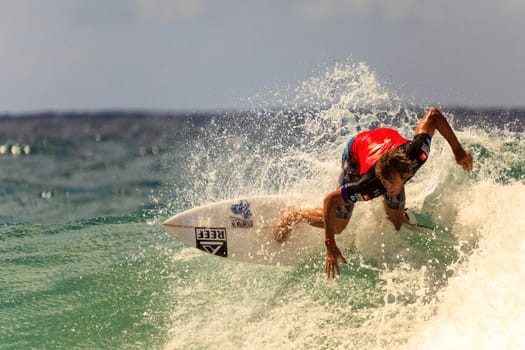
[(394, 186)]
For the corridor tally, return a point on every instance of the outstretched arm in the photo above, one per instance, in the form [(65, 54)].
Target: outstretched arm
[(333, 254), (433, 120)]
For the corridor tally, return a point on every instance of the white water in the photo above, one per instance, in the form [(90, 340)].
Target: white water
[(402, 296), (483, 306)]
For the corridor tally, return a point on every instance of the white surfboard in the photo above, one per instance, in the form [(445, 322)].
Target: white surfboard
[(242, 229)]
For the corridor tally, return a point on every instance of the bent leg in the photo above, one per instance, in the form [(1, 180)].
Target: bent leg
[(312, 216), (293, 215)]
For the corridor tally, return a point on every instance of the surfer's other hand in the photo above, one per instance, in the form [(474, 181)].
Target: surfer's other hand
[(465, 160), (333, 254)]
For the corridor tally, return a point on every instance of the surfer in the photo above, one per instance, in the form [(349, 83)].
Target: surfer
[(374, 163)]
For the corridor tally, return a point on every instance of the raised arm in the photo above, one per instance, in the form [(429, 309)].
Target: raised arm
[(433, 120)]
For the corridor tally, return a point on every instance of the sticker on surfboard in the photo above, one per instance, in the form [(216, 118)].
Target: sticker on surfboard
[(244, 214), (212, 240)]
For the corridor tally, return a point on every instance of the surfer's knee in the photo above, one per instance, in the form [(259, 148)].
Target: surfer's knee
[(281, 232), (290, 216), (397, 225)]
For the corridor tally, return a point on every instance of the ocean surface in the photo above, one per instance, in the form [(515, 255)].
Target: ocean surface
[(86, 264)]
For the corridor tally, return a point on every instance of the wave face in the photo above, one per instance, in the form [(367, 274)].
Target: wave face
[(401, 289)]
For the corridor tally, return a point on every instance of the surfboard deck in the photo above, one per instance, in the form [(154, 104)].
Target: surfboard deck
[(242, 229)]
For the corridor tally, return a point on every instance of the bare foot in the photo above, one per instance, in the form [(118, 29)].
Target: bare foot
[(289, 216)]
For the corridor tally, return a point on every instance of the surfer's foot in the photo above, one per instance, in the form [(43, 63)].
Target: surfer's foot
[(290, 216)]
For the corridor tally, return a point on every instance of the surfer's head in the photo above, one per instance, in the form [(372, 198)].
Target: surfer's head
[(394, 169)]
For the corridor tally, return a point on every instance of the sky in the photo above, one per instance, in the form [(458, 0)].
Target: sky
[(215, 54)]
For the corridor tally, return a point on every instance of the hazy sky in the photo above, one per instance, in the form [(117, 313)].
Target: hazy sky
[(204, 54)]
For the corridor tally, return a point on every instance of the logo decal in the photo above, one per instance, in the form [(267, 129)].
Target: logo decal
[(212, 240), (425, 150), (360, 197), (245, 213), (240, 223)]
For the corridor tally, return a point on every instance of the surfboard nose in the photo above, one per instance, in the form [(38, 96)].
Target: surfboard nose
[(169, 221)]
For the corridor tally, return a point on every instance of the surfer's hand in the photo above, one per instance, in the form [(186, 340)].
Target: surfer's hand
[(465, 160), (332, 266)]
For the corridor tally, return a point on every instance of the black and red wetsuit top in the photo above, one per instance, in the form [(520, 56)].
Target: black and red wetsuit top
[(365, 150)]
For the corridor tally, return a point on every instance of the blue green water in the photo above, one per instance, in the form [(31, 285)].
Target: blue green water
[(83, 260), (86, 264)]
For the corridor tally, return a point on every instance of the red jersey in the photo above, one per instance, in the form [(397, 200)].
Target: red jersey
[(369, 146)]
